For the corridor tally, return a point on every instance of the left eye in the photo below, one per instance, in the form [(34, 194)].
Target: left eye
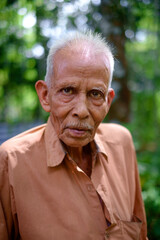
[(96, 94), (67, 90)]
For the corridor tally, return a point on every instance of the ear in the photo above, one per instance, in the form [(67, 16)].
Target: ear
[(110, 97), (43, 94)]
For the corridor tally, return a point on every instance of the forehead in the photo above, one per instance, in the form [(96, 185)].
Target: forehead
[(81, 60)]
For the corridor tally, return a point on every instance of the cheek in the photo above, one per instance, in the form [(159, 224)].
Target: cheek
[(99, 113), (60, 112), (59, 108)]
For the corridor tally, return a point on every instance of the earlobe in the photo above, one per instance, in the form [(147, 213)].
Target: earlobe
[(43, 94)]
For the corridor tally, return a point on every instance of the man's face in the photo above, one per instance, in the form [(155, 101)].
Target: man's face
[(78, 96)]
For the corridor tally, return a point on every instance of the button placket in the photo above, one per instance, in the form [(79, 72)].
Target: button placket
[(91, 196)]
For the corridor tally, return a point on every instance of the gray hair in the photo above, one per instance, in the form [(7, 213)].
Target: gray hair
[(94, 39)]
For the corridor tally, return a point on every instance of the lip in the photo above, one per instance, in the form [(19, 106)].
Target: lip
[(76, 132)]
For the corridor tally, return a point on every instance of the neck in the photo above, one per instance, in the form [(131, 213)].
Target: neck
[(82, 156), (76, 153)]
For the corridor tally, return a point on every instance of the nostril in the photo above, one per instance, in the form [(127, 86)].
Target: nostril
[(81, 112), (75, 114)]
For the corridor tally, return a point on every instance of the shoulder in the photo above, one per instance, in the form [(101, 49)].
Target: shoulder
[(21, 142), (114, 133)]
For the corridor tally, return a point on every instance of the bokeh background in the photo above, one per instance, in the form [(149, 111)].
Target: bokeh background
[(132, 27)]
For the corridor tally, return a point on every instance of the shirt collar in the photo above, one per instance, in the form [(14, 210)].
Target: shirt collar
[(55, 150), (100, 147)]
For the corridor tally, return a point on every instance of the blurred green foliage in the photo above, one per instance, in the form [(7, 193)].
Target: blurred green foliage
[(27, 30)]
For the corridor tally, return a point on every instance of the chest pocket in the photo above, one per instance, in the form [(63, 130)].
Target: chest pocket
[(128, 230)]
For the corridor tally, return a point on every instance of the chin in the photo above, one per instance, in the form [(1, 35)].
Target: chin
[(75, 143)]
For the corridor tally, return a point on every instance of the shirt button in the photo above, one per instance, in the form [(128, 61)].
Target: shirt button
[(90, 187), (107, 236)]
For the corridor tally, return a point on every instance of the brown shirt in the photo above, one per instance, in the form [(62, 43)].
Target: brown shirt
[(44, 195)]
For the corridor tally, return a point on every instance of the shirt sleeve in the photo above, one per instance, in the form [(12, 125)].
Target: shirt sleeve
[(8, 229), (139, 209)]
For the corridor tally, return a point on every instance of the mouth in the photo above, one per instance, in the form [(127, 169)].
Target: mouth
[(78, 132)]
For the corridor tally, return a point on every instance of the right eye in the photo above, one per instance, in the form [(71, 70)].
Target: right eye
[(68, 90)]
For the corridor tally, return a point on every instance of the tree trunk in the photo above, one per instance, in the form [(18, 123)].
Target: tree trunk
[(113, 26)]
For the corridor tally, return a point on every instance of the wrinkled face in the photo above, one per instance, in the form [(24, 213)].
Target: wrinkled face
[(78, 96)]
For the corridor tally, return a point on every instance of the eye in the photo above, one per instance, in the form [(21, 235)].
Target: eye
[(96, 94), (68, 90)]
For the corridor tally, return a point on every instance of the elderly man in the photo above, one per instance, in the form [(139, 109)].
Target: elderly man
[(72, 178)]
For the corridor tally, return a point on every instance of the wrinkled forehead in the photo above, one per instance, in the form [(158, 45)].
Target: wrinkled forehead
[(82, 63), (81, 53)]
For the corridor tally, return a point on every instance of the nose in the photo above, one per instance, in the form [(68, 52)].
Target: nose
[(80, 109)]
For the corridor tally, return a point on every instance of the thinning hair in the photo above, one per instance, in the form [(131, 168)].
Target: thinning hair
[(95, 40)]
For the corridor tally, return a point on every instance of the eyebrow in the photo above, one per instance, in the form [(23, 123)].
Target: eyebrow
[(102, 89), (65, 84)]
